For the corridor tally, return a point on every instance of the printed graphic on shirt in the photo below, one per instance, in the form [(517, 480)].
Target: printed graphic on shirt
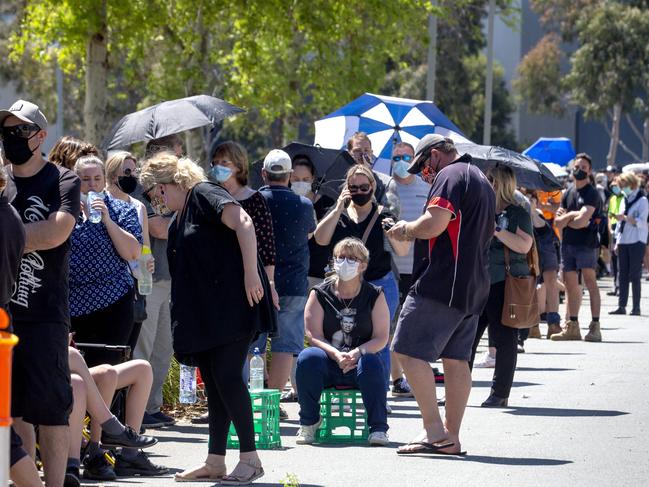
[(343, 339)]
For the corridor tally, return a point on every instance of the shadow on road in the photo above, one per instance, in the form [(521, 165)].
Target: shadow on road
[(532, 462), (542, 369), (563, 412), (554, 353), (195, 429), (488, 383)]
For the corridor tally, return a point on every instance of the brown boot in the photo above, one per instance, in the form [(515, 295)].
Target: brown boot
[(570, 332), (553, 330), (535, 332), (594, 333)]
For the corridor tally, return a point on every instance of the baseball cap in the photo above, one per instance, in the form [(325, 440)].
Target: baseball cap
[(27, 112), (423, 147), (612, 169), (278, 162)]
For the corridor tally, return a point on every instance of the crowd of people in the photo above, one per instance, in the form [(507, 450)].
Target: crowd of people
[(363, 291)]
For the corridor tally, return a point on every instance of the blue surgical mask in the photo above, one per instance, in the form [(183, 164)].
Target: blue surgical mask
[(627, 191), (616, 190), (220, 173), (400, 168)]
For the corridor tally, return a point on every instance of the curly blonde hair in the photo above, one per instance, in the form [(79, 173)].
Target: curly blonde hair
[(166, 168)]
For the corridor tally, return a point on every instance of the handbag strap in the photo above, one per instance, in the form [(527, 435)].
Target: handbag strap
[(375, 217), (530, 258)]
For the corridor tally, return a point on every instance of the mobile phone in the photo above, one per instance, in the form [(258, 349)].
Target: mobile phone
[(387, 225)]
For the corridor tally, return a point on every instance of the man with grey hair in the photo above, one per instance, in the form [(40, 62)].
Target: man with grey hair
[(47, 198), (450, 287)]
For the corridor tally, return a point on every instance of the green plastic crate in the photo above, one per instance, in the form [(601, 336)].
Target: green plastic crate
[(265, 414), (344, 419)]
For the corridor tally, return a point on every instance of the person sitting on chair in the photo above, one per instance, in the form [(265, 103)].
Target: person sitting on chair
[(347, 322)]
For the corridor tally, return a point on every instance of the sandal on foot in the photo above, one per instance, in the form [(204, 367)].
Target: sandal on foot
[(256, 472), (426, 448), (203, 473)]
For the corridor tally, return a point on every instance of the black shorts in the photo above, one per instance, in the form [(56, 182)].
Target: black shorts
[(40, 385), (405, 283), (17, 452)]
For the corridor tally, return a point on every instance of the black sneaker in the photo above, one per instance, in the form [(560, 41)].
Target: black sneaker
[(150, 421), (140, 465), (635, 312), (401, 388), (202, 419), (98, 468), (72, 477), (165, 419), (127, 439)]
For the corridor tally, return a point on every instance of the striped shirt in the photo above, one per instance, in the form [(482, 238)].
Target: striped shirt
[(413, 199)]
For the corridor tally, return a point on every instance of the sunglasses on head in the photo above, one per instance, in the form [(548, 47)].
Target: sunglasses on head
[(23, 130), (363, 188), (404, 158)]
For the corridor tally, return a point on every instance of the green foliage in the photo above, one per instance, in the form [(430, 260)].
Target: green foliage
[(170, 388), (290, 480)]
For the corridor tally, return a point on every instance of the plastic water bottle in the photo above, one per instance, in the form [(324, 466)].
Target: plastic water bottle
[(187, 384), (256, 372), (93, 215), (144, 277)]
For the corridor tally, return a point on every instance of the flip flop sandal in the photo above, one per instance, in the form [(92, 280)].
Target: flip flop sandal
[(193, 477), (426, 448)]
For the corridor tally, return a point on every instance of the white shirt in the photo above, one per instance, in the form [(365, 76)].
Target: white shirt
[(638, 232), (413, 200)]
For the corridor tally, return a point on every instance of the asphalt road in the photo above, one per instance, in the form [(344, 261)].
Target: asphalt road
[(578, 416)]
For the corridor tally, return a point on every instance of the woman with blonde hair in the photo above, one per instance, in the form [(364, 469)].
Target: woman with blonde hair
[(219, 302), (347, 322), (513, 231), (630, 241)]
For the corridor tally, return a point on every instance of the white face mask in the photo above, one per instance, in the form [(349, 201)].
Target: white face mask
[(301, 187), (346, 269)]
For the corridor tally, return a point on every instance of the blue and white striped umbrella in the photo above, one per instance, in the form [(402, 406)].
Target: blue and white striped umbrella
[(386, 120)]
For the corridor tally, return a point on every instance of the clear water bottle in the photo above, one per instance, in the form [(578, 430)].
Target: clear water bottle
[(187, 384), (144, 277), (93, 215), (256, 372)]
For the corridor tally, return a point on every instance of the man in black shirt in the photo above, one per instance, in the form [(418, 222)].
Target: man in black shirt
[(579, 219), (46, 198)]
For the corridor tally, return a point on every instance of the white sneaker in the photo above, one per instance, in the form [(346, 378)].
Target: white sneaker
[(306, 434), (487, 362), (378, 438)]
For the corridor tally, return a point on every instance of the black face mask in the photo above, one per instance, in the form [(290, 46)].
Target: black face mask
[(127, 183), (580, 174), (361, 199), (17, 149)]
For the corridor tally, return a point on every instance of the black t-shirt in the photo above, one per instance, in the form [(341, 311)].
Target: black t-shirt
[(319, 254), (453, 268), (380, 258), (209, 307), (41, 293), (12, 244), (347, 324), (574, 200)]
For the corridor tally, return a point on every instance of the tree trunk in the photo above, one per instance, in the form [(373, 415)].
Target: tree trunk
[(277, 133), (615, 134), (645, 140), (95, 105)]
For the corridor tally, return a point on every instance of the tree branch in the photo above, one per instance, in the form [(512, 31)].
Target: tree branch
[(629, 151), (634, 127)]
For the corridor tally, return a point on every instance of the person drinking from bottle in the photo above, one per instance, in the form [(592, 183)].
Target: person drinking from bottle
[(220, 301), (101, 285)]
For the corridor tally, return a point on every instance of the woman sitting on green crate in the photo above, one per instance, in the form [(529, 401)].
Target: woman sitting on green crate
[(347, 323)]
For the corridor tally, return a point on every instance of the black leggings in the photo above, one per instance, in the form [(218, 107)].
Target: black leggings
[(227, 395), (111, 325), (504, 339)]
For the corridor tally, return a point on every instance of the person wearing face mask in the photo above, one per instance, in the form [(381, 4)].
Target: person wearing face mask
[(630, 241), (450, 287), (347, 323), (46, 197), (412, 191), (613, 209), (578, 219)]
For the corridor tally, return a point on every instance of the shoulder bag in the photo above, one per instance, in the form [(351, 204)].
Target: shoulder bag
[(520, 306)]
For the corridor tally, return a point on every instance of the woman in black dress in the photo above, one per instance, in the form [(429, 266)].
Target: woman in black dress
[(218, 297)]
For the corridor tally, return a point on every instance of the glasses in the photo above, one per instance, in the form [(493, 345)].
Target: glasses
[(131, 172), (342, 259), (404, 158), (23, 130), (355, 188)]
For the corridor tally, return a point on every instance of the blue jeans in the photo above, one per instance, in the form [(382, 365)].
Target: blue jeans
[(315, 371), (290, 323), (391, 293)]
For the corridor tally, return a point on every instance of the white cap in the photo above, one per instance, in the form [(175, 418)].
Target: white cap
[(278, 162)]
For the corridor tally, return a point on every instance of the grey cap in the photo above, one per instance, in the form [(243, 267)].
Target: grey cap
[(426, 143), (27, 112)]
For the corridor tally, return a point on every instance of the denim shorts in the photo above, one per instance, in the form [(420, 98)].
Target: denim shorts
[(577, 257), (429, 330), (290, 324)]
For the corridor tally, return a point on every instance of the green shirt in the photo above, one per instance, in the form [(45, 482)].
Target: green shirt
[(614, 203), (517, 217)]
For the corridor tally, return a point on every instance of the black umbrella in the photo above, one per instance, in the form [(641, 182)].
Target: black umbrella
[(530, 173), (331, 167), (167, 118)]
